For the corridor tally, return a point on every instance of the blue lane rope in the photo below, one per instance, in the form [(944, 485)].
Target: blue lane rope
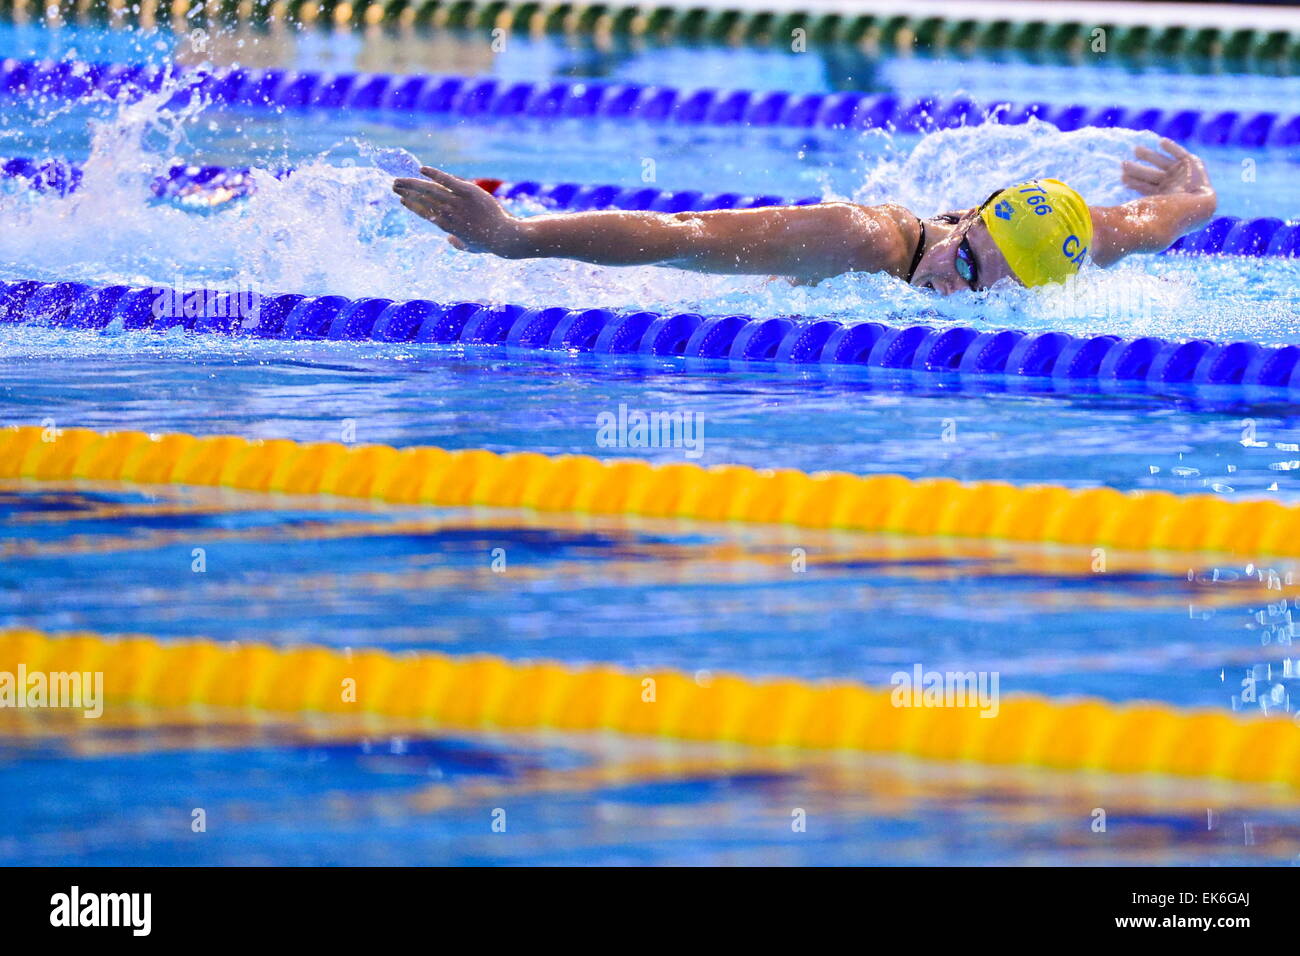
[(62, 177), (1066, 359), (1227, 235), (470, 98)]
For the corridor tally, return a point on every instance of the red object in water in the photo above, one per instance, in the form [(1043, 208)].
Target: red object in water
[(489, 185)]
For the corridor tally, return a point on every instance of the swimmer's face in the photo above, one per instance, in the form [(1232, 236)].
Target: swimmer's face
[(966, 260)]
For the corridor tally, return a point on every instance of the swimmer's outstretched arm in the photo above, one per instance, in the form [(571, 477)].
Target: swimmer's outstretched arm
[(805, 242), (1177, 198)]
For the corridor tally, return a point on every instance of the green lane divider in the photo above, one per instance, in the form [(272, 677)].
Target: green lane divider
[(1268, 50)]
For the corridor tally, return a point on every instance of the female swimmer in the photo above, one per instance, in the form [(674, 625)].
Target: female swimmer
[(1033, 233)]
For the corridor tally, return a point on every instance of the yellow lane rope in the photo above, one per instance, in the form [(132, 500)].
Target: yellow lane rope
[(1095, 517), (492, 693)]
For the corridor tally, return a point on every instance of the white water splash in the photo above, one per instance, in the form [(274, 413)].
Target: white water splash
[(337, 228), (395, 161), (958, 168)]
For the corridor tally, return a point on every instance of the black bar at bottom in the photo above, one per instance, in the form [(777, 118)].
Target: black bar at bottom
[(328, 906)]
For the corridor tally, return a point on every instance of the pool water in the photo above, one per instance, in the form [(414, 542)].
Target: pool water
[(702, 599), (314, 571), (758, 414), (327, 795)]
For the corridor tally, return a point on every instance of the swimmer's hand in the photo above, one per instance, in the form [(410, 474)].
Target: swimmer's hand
[(471, 217), (1177, 197), (1173, 172)]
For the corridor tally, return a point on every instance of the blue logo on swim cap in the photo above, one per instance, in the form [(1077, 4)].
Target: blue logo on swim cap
[(1002, 210)]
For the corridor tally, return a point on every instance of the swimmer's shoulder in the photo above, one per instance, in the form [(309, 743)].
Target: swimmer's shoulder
[(885, 237), (838, 237)]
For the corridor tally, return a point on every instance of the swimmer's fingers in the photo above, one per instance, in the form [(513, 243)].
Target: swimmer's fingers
[(426, 211), (432, 202), (419, 208), (458, 207), (1138, 186), (454, 184), (1159, 160), (1143, 186), (417, 196), (1142, 173), (430, 192), (1173, 149)]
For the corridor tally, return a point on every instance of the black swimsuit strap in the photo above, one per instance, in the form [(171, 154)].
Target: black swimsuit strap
[(920, 242), (920, 251)]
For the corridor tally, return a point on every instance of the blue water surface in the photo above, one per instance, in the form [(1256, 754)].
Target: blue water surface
[(1191, 630)]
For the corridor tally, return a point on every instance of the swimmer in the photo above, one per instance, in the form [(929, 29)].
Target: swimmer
[(1033, 233)]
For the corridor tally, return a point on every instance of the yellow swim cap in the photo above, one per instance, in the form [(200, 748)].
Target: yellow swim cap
[(1043, 227)]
